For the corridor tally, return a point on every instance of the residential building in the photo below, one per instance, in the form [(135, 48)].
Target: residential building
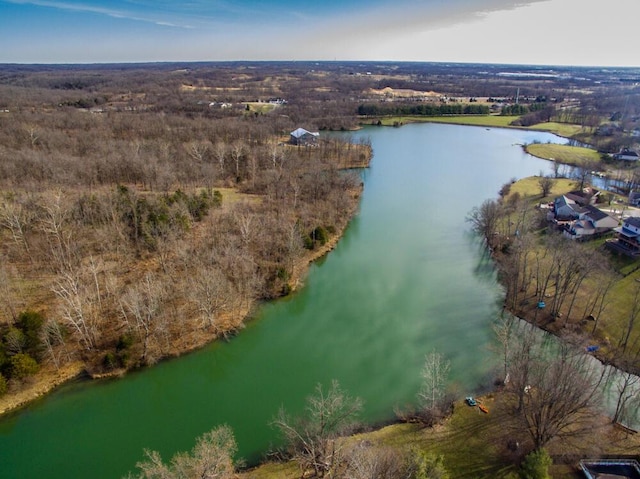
[(591, 223), (625, 154), (628, 237), (302, 137)]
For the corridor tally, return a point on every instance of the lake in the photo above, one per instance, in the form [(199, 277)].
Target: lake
[(408, 277)]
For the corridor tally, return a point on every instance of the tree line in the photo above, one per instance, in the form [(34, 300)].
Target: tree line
[(422, 109)]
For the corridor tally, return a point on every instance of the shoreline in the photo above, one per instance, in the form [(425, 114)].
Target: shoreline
[(41, 387), (50, 378)]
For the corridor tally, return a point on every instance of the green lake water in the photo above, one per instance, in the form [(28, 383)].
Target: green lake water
[(407, 277)]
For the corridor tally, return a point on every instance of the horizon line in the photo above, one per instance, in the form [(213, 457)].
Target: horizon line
[(439, 62)]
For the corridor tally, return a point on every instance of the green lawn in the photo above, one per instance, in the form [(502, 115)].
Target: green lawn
[(473, 120), (530, 187), (570, 155), (497, 121), (566, 130)]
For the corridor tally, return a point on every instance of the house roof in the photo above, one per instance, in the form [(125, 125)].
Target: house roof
[(583, 196), (633, 221), (300, 132), (595, 213), (565, 201), (628, 233)]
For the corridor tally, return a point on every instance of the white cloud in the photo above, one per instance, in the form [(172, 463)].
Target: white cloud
[(551, 32)]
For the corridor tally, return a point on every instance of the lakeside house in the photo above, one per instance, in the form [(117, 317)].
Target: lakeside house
[(302, 137), (627, 240), (578, 219), (625, 154), (591, 223)]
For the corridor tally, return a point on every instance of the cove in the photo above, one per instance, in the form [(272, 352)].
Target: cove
[(407, 277)]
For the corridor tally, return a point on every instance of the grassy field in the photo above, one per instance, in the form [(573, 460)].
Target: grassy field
[(472, 120), (474, 444), (497, 121), (260, 107), (570, 155), (531, 188), (565, 130)]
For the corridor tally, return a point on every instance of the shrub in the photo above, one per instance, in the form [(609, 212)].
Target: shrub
[(30, 323), (3, 385), (22, 365), (536, 465), (428, 465), (109, 361), (308, 242), (125, 341), (320, 235), (14, 341)]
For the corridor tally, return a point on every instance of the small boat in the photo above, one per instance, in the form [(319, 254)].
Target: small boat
[(470, 401), (483, 408)]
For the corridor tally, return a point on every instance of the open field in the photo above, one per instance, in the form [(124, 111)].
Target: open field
[(530, 187), (570, 155), (566, 130), (473, 120)]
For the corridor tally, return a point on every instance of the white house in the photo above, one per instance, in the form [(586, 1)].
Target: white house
[(628, 239), (590, 222)]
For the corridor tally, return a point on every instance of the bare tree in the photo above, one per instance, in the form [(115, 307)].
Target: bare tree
[(9, 282), (484, 219), (562, 390), (546, 184), (314, 440), (626, 387), (504, 329), (77, 306), (53, 223), (237, 154), (634, 313), (211, 292), (366, 461), (220, 152), (142, 302), (15, 218), (432, 395), (52, 338), (211, 458)]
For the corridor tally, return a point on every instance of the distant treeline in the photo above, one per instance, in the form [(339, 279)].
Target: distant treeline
[(372, 109), (523, 109)]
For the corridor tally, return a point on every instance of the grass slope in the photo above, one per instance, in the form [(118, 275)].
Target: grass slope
[(570, 155), (497, 121)]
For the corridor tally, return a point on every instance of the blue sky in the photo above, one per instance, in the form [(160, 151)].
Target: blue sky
[(564, 32)]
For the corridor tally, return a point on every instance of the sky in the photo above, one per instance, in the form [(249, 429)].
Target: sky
[(540, 32)]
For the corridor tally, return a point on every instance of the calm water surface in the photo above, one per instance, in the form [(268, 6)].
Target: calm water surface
[(406, 278)]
